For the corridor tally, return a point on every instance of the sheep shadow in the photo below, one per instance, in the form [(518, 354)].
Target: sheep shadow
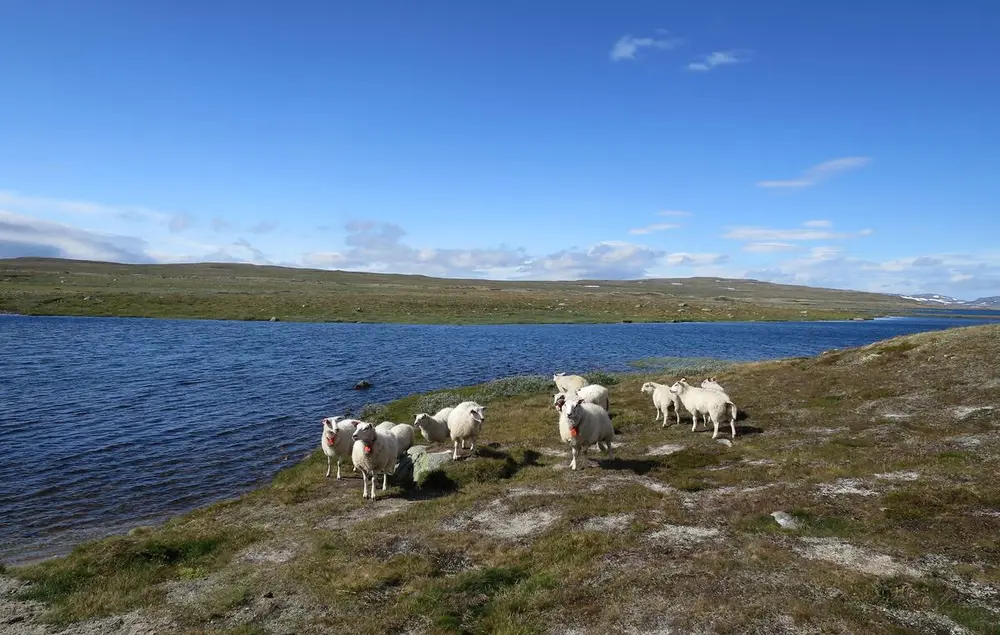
[(637, 466)]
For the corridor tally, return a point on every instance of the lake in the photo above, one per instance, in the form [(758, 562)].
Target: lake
[(109, 423)]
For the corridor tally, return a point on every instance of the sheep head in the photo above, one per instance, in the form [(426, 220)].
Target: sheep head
[(679, 387), (559, 400), (364, 432), (421, 420), (647, 388), (477, 413), (573, 410)]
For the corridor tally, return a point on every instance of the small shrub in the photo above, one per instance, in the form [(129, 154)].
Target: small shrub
[(601, 378), (373, 412), (512, 387)]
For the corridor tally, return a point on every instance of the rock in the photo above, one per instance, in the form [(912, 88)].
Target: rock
[(725, 442), (682, 304), (362, 385), (273, 319), (785, 520), (425, 463)]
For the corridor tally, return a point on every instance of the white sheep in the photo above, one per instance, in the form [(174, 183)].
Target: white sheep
[(464, 422), (336, 440), (373, 453), (569, 383), (433, 427), (385, 426), (711, 384), (591, 393), (710, 403), (663, 399), (581, 425), (404, 434)]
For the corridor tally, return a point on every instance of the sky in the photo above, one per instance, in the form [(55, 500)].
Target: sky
[(841, 144)]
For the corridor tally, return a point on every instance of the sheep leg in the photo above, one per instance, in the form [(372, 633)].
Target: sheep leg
[(454, 455), (472, 448), (328, 467), (572, 464), (338, 469), (463, 444), (364, 484), (611, 451), (657, 417), (715, 422), (694, 420), (385, 478)]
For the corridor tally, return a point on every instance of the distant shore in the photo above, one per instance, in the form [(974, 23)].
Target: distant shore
[(34, 286)]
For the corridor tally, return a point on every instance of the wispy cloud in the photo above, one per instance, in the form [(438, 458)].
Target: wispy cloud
[(684, 259), (36, 204), (673, 212), (763, 234), (720, 58), (770, 247), (220, 224), (817, 223), (820, 172), (655, 227), (27, 236), (627, 45)]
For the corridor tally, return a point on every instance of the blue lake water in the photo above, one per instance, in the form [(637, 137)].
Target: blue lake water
[(109, 423)]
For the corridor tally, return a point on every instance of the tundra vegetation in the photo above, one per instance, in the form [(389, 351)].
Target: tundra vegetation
[(859, 495), (40, 286)]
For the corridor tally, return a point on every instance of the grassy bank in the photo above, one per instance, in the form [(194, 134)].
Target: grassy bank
[(33, 286), (885, 458)]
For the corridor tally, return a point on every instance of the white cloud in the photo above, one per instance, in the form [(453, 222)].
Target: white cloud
[(684, 259), (817, 223), (27, 236), (820, 172), (220, 224), (960, 275), (720, 58), (673, 212), (627, 46), (761, 234), (35, 204), (655, 227), (770, 247)]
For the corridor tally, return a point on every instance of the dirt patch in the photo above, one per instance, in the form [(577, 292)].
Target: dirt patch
[(899, 476), (846, 487), (682, 534), (616, 522), (664, 450), (274, 553), (854, 558), (962, 412), (499, 521), (371, 511)]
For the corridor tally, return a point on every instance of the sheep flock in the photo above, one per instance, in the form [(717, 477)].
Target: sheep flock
[(584, 421)]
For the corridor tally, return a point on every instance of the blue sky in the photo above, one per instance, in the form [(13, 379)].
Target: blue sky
[(850, 144)]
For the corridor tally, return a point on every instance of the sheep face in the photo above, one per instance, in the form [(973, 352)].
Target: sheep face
[(364, 432), (558, 401), (478, 413), (574, 412), (679, 387), (421, 420), (647, 388)]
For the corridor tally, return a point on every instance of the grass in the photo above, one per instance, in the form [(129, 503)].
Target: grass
[(896, 510), (39, 286)]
